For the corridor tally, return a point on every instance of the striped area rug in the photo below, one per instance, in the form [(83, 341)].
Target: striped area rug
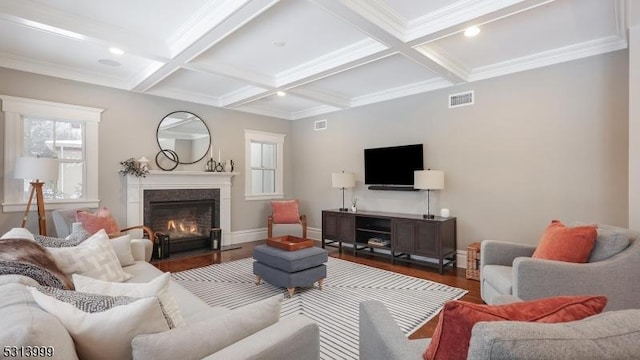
[(411, 301)]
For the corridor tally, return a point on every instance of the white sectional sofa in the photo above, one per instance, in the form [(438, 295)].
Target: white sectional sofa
[(24, 323)]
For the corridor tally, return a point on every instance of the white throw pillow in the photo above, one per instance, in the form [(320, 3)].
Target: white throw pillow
[(122, 248), (157, 287), (206, 337), (18, 233), (107, 334), (94, 257)]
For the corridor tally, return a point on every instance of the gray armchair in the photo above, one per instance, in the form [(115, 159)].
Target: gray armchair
[(612, 335), (508, 269)]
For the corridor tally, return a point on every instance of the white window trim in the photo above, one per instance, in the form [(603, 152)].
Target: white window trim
[(15, 109), (278, 139)]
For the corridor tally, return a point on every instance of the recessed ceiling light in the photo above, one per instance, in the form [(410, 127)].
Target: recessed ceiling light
[(109, 62), (281, 93), (115, 50), (472, 31), (279, 43)]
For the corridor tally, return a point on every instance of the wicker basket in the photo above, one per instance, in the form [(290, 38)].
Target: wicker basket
[(473, 261)]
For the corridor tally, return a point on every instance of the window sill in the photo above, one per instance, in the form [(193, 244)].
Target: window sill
[(252, 197), (50, 205)]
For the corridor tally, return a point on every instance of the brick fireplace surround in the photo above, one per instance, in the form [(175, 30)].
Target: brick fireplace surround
[(171, 180)]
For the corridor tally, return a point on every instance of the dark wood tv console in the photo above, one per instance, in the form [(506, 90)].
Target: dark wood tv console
[(400, 236)]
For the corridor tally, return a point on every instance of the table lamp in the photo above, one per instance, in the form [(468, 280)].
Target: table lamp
[(428, 180), (343, 181), (36, 169)]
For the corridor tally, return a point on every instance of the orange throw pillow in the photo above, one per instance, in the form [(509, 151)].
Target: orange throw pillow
[(101, 219), (451, 338), (571, 244), (285, 212)]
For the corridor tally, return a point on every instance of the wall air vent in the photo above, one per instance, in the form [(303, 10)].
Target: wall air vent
[(320, 125), (461, 99)]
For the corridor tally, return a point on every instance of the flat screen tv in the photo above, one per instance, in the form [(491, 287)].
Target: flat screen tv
[(392, 166)]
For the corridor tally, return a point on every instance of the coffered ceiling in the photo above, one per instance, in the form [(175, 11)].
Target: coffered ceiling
[(325, 55)]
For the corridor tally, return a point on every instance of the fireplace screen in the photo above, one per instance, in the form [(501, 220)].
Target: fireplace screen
[(187, 222)]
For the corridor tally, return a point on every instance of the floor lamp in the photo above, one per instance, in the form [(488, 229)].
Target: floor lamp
[(36, 169), (428, 180), (343, 181)]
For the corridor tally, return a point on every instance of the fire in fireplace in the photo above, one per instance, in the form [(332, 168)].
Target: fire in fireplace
[(188, 223), (178, 229), (186, 217)]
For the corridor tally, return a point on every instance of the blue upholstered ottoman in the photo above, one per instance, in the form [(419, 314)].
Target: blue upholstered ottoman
[(290, 269)]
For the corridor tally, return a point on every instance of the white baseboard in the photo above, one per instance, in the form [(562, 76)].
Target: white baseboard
[(314, 233), (243, 236), (461, 259)]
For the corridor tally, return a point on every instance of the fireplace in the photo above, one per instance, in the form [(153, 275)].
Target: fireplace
[(186, 216), (139, 189)]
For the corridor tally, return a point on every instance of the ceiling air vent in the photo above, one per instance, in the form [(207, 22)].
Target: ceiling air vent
[(320, 125), (461, 99)]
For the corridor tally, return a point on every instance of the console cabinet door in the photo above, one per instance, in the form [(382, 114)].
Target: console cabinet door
[(427, 238), (338, 227), (347, 228), (329, 226), (404, 235)]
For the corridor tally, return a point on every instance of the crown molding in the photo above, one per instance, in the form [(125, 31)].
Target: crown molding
[(316, 110), (56, 23), (400, 91), (142, 75), (551, 57), (261, 110), (16, 62), (242, 94)]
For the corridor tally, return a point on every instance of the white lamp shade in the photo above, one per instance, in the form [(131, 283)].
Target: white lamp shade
[(343, 180), (428, 179), (31, 168)]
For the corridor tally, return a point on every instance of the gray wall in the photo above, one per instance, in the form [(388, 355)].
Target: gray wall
[(545, 144), (550, 143), (128, 129)]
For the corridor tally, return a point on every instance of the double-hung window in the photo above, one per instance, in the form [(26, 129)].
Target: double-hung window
[(35, 128), (264, 165), (61, 139)]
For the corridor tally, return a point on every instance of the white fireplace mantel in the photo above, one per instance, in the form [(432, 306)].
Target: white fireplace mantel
[(160, 180)]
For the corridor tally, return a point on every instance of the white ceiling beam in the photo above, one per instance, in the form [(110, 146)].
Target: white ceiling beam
[(55, 22), (230, 24), (317, 76), (479, 19), (379, 33), (349, 54), (233, 72), (319, 96), (207, 16), (381, 23), (467, 13)]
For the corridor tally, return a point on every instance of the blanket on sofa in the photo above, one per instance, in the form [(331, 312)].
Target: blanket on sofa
[(27, 258)]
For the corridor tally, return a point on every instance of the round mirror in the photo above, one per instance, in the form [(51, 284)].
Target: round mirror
[(185, 134)]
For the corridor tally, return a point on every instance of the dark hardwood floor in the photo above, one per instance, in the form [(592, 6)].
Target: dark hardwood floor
[(453, 278)]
